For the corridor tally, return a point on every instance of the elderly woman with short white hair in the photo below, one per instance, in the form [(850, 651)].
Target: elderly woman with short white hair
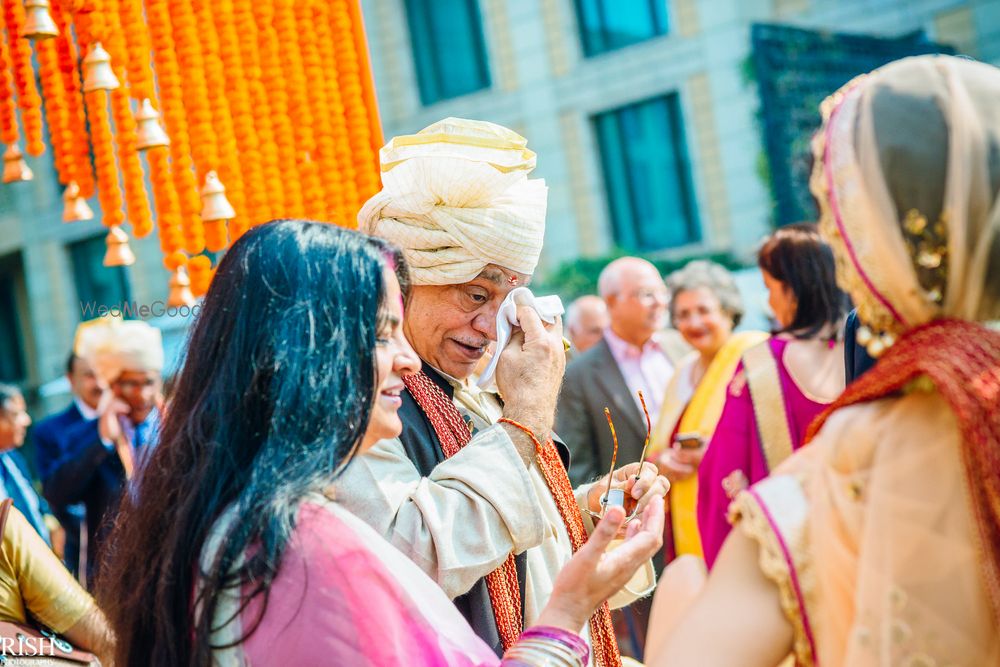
[(705, 307)]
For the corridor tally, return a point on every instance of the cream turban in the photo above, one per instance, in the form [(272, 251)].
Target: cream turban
[(113, 345), (456, 197)]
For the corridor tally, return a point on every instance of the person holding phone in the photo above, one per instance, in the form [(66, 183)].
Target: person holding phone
[(705, 307)]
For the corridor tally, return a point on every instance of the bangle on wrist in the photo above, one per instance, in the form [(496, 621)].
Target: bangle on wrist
[(548, 646)]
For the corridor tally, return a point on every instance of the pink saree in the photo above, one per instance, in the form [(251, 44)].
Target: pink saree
[(344, 596), (735, 459)]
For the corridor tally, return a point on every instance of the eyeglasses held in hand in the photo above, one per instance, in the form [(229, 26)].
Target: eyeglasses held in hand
[(617, 496)]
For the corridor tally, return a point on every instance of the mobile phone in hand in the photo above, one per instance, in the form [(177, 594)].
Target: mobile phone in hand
[(689, 440)]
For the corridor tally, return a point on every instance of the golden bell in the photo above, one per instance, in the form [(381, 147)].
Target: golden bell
[(14, 167), (180, 289), (75, 207), (214, 205), (97, 72), (38, 23), (148, 131), (118, 253)]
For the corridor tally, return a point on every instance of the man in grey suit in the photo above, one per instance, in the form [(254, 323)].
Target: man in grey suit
[(632, 355)]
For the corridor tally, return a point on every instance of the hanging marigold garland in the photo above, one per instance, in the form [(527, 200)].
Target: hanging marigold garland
[(180, 169), (201, 272), (76, 140), (271, 54), (262, 131), (137, 50), (204, 141), (195, 99), (140, 87), (344, 211), (56, 109), (136, 199), (109, 192), (28, 100), (325, 154), (274, 101), (300, 99), (8, 107), (355, 109), (238, 93), (222, 122), (91, 28)]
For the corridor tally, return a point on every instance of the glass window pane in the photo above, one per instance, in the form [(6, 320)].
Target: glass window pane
[(96, 284), (616, 177), (647, 175), (449, 50), (606, 25), (11, 348)]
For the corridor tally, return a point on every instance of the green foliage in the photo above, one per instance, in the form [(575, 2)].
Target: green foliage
[(577, 277)]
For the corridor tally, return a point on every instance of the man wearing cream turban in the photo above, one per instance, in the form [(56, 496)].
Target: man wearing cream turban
[(127, 356), (464, 491)]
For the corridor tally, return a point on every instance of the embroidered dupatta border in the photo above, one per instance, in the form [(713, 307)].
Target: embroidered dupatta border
[(751, 515)]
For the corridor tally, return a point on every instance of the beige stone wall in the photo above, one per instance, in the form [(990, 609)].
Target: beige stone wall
[(957, 27), (710, 173)]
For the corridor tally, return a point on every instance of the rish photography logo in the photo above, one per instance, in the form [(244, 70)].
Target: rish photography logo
[(136, 310), (23, 646)]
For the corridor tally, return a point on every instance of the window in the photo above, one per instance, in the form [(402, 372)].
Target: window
[(448, 48), (647, 175), (11, 346), (606, 25), (97, 284)]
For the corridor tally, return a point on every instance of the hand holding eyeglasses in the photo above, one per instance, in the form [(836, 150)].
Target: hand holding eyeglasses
[(638, 486), (638, 482), (594, 573)]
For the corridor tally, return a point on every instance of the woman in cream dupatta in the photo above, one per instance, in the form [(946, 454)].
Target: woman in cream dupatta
[(879, 544), (705, 306)]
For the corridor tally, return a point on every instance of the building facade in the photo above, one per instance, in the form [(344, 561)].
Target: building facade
[(641, 112)]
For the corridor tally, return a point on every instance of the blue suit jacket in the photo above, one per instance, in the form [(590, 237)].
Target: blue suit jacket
[(48, 436), (79, 468)]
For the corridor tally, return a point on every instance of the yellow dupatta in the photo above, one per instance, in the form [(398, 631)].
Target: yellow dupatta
[(699, 415)]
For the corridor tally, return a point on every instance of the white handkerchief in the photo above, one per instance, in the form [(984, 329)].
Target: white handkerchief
[(548, 309)]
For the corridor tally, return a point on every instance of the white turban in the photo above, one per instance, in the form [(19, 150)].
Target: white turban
[(112, 345), (456, 197)]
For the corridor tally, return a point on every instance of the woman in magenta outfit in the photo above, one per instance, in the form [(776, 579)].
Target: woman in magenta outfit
[(237, 552), (780, 385)]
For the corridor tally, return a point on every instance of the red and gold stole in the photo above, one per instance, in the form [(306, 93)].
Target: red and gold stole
[(962, 359), (505, 594)]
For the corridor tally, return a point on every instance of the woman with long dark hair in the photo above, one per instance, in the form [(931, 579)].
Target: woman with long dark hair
[(234, 550), (780, 385)]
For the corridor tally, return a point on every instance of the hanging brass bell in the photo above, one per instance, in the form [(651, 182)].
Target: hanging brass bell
[(75, 207), (148, 131), (118, 253), (14, 167), (97, 72), (180, 289), (38, 23), (214, 205)]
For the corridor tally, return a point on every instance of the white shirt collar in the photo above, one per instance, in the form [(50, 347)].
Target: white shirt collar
[(88, 412)]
